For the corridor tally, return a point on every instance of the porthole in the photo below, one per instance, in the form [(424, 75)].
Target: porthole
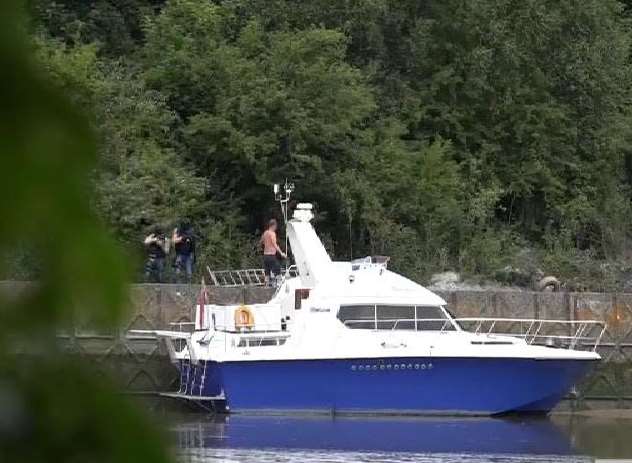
[(423, 366), (396, 367), (416, 366), (353, 368), (361, 367)]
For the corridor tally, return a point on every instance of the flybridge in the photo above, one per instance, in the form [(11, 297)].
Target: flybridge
[(312, 261), (351, 337)]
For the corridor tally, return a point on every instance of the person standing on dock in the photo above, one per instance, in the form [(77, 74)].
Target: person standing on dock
[(184, 245), (157, 246), (271, 252)]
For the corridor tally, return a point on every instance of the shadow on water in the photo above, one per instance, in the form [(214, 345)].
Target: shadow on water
[(603, 434), (288, 439)]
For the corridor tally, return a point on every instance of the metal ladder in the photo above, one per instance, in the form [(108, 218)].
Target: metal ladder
[(233, 278), (244, 277)]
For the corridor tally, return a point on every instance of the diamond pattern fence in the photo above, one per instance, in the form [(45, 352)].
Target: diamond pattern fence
[(138, 363)]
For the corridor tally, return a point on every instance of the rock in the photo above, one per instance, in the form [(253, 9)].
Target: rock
[(549, 283), (445, 280), (513, 276)]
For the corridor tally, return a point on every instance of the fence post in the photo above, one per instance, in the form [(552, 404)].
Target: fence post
[(536, 305)]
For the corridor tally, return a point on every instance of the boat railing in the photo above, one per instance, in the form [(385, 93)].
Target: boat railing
[(256, 336), (183, 326), (570, 334), (289, 272), (258, 328), (407, 324)]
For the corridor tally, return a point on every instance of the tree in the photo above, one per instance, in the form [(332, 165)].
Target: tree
[(140, 183), (258, 106), (460, 130)]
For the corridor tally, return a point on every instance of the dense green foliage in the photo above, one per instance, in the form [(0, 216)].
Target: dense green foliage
[(450, 134)]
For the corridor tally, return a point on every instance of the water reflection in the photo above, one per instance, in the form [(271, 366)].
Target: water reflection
[(602, 434), (285, 439)]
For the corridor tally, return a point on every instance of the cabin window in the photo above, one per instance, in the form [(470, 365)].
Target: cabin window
[(432, 318), (358, 316), (260, 342), (394, 317)]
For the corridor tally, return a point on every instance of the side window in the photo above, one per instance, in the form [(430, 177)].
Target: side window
[(395, 317), (357, 316), (432, 318)]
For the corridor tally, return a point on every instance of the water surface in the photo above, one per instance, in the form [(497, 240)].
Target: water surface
[(249, 439)]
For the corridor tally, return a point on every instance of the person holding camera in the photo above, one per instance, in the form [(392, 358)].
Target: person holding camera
[(271, 252), (157, 247), (184, 244)]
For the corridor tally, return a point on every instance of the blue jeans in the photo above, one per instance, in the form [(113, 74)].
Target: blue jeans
[(184, 264)]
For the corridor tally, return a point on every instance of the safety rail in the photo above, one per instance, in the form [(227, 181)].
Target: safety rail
[(245, 330), (259, 336), (420, 324), (289, 272), (183, 326), (584, 333)]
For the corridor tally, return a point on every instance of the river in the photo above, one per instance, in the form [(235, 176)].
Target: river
[(262, 439)]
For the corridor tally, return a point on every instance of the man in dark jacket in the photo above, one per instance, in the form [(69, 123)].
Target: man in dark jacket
[(184, 244), (157, 247)]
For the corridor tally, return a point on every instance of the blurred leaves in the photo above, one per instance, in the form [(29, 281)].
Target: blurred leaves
[(59, 410)]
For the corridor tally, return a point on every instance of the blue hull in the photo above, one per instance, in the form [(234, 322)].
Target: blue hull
[(445, 386)]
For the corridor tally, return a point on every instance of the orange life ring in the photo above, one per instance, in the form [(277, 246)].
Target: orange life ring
[(244, 318)]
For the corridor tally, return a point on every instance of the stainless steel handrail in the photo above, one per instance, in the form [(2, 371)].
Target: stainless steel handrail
[(535, 327), (488, 326)]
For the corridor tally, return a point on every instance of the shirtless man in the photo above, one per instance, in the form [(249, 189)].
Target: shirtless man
[(271, 264)]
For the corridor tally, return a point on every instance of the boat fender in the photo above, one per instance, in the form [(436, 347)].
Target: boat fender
[(244, 318)]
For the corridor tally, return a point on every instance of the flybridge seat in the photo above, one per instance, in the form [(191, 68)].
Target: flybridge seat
[(370, 261)]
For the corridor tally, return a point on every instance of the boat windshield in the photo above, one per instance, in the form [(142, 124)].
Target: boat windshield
[(395, 317)]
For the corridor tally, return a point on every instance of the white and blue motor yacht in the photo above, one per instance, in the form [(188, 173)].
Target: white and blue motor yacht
[(355, 337)]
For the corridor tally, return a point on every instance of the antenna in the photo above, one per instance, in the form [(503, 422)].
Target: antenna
[(282, 195)]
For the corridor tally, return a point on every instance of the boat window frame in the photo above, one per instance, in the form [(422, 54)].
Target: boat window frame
[(260, 341), (452, 325)]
